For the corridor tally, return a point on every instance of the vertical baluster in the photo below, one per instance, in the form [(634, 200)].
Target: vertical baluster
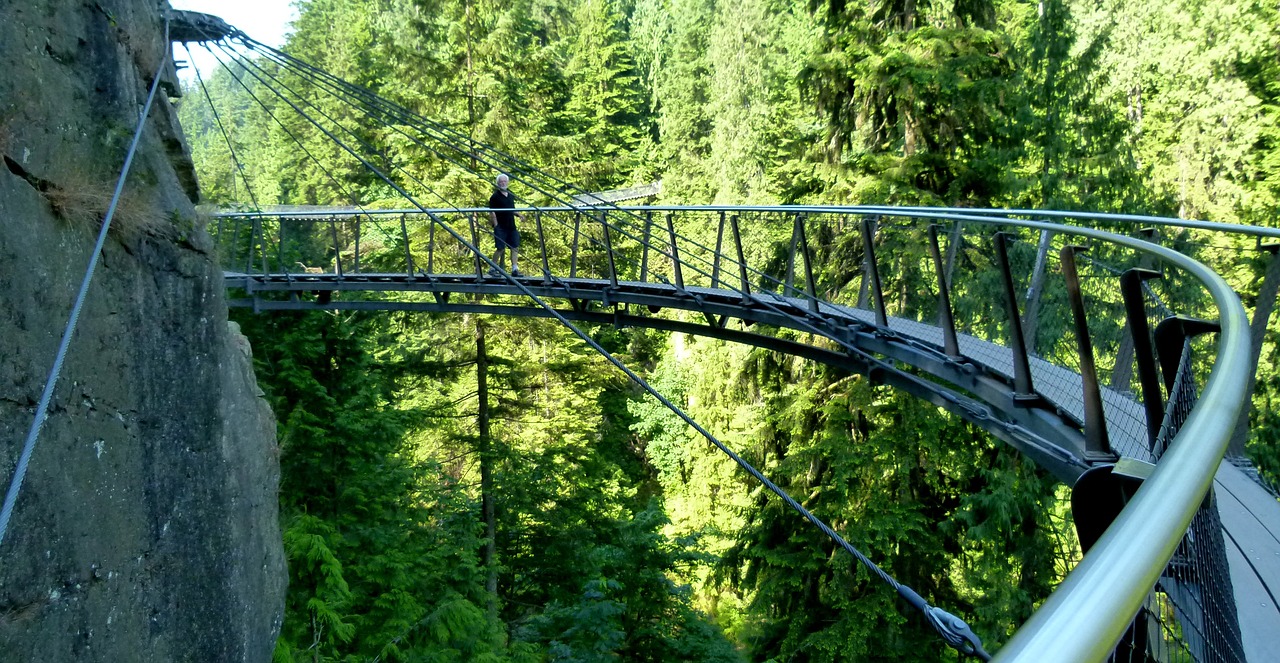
[(789, 283), (1031, 316), (408, 257), (235, 243), (475, 241), (1023, 391), (1122, 372), (355, 259), (542, 246), (742, 261), (1135, 307), (431, 245), (337, 249), (715, 264), (1263, 306), (953, 248), (573, 255), (608, 249), (644, 247), (280, 250), (280, 246), (254, 232), (809, 284), (950, 342), (873, 271), (675, 253), (1096, 443)]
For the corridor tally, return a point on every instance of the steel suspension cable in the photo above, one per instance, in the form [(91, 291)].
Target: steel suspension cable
[(42, 408), (225, 136), (295, 139)]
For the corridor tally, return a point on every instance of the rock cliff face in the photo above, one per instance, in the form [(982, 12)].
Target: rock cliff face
[(147, 525)]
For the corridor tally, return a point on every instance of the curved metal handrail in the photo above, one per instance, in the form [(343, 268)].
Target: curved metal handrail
[(1087, 614)]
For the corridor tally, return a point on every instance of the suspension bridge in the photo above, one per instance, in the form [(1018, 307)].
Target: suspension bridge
[(1202, 574), (1133, 406)]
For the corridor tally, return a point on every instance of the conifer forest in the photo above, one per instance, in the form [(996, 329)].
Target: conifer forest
[(582, 521)]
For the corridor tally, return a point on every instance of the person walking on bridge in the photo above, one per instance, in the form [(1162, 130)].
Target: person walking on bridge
[(502, 205)]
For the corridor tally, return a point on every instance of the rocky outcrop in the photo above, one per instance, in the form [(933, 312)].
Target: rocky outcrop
[(147, 524)]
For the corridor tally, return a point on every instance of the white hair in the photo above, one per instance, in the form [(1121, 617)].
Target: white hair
[(500, 177)]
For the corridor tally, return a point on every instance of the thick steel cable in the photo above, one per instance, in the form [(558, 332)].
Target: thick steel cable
[(225, 136), (42, 408), (953, 630)]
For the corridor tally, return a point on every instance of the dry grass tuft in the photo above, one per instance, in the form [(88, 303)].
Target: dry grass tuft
[(86, 202)]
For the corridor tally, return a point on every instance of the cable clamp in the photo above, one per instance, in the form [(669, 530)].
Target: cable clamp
[(956, 632)]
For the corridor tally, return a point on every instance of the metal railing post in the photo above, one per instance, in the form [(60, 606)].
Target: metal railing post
[(431, 246), (789, 283), (1096, 443), (644, 247), (542, 246), (1135, 306), (408, 256), (356, 258), (608, 249), (1263, 307), (675, 252), (715, 264), (809, 284), (1022, 387), (475, 241), (950, 342), (873, 271), (573, 255), (337, 249), (742, 261)]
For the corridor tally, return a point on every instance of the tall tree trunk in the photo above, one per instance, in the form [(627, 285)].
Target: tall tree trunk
[(490, 560)]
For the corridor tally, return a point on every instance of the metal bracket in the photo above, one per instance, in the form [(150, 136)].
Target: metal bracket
[(1171, 333)]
